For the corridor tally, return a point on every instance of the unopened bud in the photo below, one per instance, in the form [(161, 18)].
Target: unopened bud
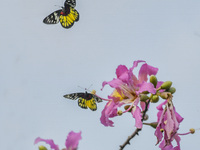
[(153, 80), (127, 107), (119, 112), (172, 90), (153, 124), (166, 85), (143, 97), (164, 95), (155, 99), (145, 92), (41, 147), (146, 117), (192, 130)]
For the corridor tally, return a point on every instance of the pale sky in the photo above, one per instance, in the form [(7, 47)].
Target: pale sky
[(40, 63)]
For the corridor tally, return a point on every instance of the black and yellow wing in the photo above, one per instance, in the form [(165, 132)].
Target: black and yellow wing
[(85, 100), (67, 19), (53, 18), (66, 16)]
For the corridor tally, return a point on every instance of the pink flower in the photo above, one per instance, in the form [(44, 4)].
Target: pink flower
[(168, 125), (127, 88), (71, 141)]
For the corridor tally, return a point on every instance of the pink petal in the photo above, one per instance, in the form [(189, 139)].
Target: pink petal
[(178, 117), (163, 146), (147, 87), (143, 105), (138, 117), (48, 141), (109, 110), (73, 140), (146, 70), (169, 127), (158, 134), (159, 107), (121, 70), (114, 83), (135, 64), (178, 139)]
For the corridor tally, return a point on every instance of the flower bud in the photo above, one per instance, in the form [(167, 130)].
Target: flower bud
[(41, 147), (164, 95), (146, 117), (172, 90), (119, 112), (153, 80), (145, 92), (155, 99), (143, 97), (127, 107), (166, 85), (192, 130), (153, 124)]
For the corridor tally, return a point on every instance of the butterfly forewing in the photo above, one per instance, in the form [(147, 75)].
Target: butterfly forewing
[(53, 18), (74, 96), (72, 3)]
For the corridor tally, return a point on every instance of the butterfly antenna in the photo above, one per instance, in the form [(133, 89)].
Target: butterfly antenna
[(59, 6), (90, 87), (86, 89), (81, 87)]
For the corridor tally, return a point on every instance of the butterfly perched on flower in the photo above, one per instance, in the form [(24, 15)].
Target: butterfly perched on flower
[(85, 100), (66, 16)]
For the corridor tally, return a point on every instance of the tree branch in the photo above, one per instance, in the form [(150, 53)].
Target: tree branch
[(136, 130)]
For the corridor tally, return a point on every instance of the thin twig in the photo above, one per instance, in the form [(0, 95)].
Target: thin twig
[(136, 130)]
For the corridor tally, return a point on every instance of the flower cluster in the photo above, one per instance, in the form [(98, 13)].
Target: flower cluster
[(127, 90), (135, 93)]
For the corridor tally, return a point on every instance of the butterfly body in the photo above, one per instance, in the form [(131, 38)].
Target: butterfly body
[(66, 16), (85, 100)]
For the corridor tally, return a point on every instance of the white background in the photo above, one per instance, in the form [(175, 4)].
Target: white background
[(40, 63)]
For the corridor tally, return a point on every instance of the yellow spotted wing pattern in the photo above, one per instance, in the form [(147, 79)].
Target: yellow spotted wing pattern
[(67, 20), (85, 100)]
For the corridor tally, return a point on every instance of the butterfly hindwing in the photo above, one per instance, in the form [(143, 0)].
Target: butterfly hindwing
[(67, 20), (97, 99), (53, 18), (91, 103)]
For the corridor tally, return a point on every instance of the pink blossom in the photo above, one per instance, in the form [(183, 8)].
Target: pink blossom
[(71, 141), (168, 125), (127, 88)]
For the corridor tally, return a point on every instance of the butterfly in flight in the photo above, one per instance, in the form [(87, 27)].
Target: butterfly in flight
[(85, 100), (66, 16)]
